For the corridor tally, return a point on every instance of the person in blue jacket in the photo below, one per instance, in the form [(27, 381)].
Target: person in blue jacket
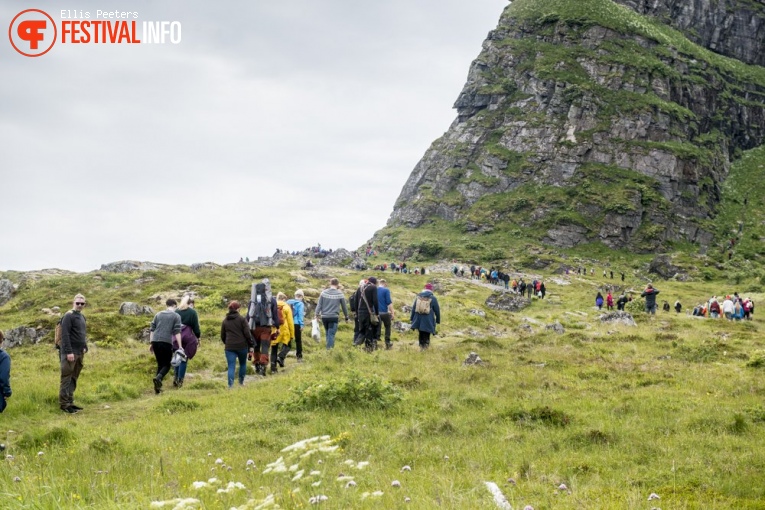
[(426, 314), (298, 318), (385, 304), (5, 377)]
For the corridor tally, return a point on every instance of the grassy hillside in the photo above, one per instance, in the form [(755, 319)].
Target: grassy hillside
[(673, 406)]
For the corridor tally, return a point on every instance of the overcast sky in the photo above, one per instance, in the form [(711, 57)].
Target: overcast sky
[(273, 124)]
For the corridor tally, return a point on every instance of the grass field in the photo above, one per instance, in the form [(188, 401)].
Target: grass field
[(673, 406)]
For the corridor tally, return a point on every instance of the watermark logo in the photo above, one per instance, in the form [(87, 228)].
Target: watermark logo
[(32, 32)]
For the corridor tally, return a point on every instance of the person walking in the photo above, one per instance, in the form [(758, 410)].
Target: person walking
[(331, 300), (5, 377), (263, 318), (237, 340), (650, 299), (190, 336), (354, 301), (165, 328), (426, 314), (73, 347), (368, 314), (298, 305), (280, 346), (599, 301), (621, 302), (385, 304), (610, 301)]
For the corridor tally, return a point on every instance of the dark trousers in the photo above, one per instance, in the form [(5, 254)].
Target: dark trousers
[(163, 352), (298, 341), (70, 372), (384, 321), (424, 339), (367, 332)]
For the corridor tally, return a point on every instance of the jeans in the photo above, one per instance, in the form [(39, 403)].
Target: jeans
[(650, 309), (330, 326), (180, 371), (231, 357)]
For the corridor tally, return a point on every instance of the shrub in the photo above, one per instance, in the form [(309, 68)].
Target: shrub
[(37, 439), (544, 415), (345, 392), (177, 405)]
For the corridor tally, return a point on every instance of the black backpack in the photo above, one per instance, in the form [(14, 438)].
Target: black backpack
[(259, 311)]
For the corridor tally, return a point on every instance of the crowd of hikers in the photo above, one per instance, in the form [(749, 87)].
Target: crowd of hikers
[(266, 330)]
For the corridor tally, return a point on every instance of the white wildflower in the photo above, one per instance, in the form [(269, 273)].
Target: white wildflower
[(349, 462), (329, 449), (298, 475), (350, 484), (314, 473), (653, 496), (213, 481), (562, 487), (219, 461), (40, 454), (395, 483), (315, 500), (199, 485), (377, 494), (294, 468), (362, 464), (406, 468), (344, 478), (316, 484), (407, 500), (250, 463)]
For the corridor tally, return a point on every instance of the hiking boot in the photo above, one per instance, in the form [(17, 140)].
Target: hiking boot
[(77, 408), (300, 360), (175, 382), (273, 368), (157, 385), (70, 410), (388, 346), (179, 383), (280, 360), (260, 370)]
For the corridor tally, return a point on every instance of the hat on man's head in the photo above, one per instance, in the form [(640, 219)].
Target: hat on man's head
[(428, 286)]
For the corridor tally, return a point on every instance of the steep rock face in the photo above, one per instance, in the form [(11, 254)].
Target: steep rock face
[(735, 28), (584, 121)]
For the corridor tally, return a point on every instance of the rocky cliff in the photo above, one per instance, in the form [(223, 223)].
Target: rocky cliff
[(592, 121)]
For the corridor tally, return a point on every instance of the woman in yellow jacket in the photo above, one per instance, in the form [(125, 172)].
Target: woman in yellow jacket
[(281, 346)]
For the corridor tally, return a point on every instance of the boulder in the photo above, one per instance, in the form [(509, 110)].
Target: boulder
[(557, 327), (479, 313), (473, 359), (129, 308), (338, 258), (144, 335), (406, 309), (662, 266), (507, 302), (401, 327), (23, 335), (7, 290), (618, 317)]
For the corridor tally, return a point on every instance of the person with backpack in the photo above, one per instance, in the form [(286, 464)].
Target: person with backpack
[(298, 317), (385, 304), (678, 306), (5, 376), (263, 318), (74, 345), (165, 329), (714, 308), (354, 304), (650, 299), (237, 338), (599, 301), (621, 302), (190, 336), (367, 311), (426, 314), (331, 300), (280, 346)]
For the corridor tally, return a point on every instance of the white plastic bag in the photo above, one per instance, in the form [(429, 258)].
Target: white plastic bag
[(315, 330)]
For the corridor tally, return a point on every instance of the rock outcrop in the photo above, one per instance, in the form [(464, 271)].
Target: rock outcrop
[(129, 308), (589, 121), (23, 335), (7, 290), (507, 302), (127, 266)]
